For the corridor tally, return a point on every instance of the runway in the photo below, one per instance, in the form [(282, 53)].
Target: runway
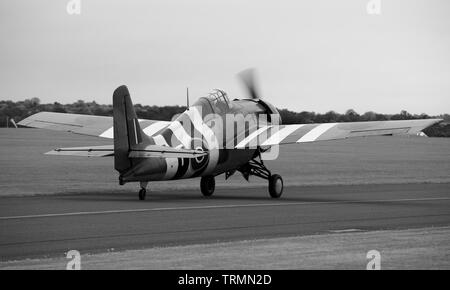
[(47, 226)]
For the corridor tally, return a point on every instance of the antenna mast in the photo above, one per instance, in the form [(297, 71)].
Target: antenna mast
[(187, 98)]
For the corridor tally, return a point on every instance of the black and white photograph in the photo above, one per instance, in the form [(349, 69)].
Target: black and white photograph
[(234, 137)]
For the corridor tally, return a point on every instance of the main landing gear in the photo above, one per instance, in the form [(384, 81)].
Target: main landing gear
[(256, 167), (275, 185), (207, 185), (143, 190)]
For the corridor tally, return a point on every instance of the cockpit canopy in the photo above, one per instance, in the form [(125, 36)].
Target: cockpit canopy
[(216, 102), (218, 95)]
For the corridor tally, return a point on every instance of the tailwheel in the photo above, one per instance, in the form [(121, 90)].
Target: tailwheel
[(143, 190), (142, 194), (207, 185), (275, 185)]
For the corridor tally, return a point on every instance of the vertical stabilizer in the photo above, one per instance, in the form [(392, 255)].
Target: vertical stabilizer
[(127, 132)]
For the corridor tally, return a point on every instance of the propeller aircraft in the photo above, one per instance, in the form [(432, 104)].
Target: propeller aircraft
[(214, 136)]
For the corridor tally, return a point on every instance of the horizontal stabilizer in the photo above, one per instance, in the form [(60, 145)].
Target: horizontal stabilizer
[(89, 151), (153, 151)]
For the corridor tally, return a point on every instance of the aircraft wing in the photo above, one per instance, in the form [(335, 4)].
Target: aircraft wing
[(151, 151), (98, 126), (300, 133)]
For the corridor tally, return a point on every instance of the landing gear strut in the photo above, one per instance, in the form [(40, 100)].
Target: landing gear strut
[(143, 190), (207, 185), (256, 167)]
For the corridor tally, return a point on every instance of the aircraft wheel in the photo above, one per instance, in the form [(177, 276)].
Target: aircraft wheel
[(275, 185), (207, 185), (142, 193)]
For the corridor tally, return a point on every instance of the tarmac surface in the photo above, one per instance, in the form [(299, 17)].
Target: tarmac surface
[(50, 204), (51, 225)]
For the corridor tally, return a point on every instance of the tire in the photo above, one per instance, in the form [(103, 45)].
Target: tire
[(207, 185), (142, 193), (275, 185)]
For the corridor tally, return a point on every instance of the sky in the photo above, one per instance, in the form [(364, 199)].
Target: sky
[(316, 55)]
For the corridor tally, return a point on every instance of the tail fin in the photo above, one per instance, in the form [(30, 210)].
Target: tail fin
[(127, 132)]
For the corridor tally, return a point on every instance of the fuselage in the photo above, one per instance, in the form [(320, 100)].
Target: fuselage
[(213, 124)]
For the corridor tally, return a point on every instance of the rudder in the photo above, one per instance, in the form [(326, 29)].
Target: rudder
[(127, 132)]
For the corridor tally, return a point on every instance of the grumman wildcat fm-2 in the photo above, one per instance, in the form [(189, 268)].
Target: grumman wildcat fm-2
[(214, 136)]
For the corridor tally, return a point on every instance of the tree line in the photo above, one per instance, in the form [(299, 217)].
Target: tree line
[(22, 109)]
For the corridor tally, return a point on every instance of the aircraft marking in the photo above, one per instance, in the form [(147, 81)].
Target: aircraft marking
[(316, 132), (135, 132), (279, 136), (155, 127), (207, 135), (181, 134), (108, 133), (252, 136), (159, 140)]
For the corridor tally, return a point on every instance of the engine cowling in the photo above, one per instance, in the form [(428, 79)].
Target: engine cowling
[(271, 111)]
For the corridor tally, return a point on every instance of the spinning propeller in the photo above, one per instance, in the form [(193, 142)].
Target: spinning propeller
[(248, 79)]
